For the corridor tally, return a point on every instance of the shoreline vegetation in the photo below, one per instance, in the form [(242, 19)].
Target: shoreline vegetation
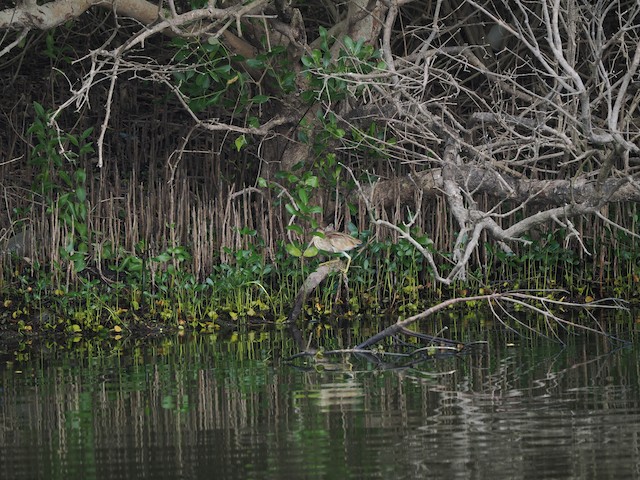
[(142, 296)]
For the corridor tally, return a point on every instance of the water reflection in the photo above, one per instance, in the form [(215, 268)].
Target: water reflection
[(202, 407)]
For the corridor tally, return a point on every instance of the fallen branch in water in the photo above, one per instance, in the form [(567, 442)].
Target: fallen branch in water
[(539, 303), (515, 298)]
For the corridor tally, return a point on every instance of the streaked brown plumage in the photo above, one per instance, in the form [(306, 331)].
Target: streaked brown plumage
[(336, 242)]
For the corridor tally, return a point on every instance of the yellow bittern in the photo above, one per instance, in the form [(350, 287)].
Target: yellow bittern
[(335, 242)]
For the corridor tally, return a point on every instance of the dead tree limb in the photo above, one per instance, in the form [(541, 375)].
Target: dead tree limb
[(311, 283)]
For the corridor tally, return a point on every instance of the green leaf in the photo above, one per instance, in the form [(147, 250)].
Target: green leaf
[(178, 42), (293, 250), (203, 81), (295, 228), (179, 253), (302, 136), (324, 38), (79, 262), (240, 142), (262, 182), (82, 230), (358, 46), (130, 264), (348, 42), (162, 258), (312, 251), (86, 148), (316, 55), (212, 50), (259, 99), (39, 109), (312, 181), (255, 63), (302, 195), (80, 211), (198, 104), (309, 96), (81, 175), (304, 209), (291, 209), (64, 176)]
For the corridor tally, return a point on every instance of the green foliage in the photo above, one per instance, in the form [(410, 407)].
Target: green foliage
[(55, 51), (331, 80), (160, 287), (276, 65), (326, 75), (159, 290), (205, 75), (64, 191), (298, 191), (52, 152)]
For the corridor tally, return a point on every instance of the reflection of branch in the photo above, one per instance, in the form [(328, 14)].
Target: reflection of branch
[(525, 300)]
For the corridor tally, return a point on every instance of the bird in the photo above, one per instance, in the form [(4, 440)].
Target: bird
[(329, 240)]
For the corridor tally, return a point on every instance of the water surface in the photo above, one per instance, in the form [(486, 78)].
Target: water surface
[(206, 407)]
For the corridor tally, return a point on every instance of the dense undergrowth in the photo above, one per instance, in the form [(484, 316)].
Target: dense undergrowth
[(134, 294)]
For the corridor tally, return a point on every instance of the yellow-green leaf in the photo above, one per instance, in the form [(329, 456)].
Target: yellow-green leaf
[(312, 251), (293, 250)]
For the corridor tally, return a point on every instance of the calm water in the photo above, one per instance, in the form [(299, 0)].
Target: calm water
[(206, 407)]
